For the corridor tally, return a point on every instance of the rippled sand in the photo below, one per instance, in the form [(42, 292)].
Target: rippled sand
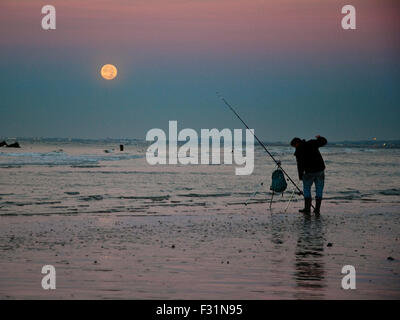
[(253, 255)]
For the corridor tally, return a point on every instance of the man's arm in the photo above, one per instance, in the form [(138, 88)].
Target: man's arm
[(301, 171), (300, 167), (319, 142)]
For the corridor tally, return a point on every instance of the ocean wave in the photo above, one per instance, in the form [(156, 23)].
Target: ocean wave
[(95, 197), (153, 198), (57, 158), (390, 192), (205, 195)]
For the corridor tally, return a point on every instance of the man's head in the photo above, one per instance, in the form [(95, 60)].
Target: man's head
[(295, 142)]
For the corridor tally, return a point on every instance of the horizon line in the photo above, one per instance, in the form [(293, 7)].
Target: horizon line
[(143, 139)]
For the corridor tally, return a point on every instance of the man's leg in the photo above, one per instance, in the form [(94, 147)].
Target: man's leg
[(319, 188), (307, 183)]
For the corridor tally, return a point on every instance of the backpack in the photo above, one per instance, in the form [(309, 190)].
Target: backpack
[(279, 183)]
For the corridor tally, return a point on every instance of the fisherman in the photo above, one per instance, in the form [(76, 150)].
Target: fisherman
[(310, 166)]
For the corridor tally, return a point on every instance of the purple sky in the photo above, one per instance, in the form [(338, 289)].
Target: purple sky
[(287, 65)]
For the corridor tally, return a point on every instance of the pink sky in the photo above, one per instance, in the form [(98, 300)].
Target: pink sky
[(253, 27)]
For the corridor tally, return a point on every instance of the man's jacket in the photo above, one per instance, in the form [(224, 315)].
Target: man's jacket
[(308, 157)]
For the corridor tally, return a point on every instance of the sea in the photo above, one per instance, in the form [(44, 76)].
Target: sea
[(115, 227), (46, 177)]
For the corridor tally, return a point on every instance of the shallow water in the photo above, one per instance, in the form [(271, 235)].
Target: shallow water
[(116, 227), (251, 255), (77, 178)]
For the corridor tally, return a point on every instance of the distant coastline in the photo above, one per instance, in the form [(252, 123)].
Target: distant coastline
[(374, 144)]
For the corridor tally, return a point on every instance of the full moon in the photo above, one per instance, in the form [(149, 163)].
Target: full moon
[(108, 71)]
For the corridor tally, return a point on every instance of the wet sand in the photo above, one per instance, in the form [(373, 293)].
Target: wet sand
[(252, 254)]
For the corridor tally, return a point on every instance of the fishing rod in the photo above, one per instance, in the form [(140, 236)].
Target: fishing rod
[(278, 163)]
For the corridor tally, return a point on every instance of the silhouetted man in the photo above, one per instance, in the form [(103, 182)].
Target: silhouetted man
[(311, 168)]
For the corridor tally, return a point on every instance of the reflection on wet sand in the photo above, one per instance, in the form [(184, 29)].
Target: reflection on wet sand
[(309, 272)]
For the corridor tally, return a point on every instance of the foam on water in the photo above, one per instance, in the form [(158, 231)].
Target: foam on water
[(57, 158)]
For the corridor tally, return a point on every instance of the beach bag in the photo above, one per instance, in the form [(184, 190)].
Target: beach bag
[(279, 183)]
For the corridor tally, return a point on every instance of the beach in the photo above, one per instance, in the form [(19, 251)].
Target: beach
[(115, 227)]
